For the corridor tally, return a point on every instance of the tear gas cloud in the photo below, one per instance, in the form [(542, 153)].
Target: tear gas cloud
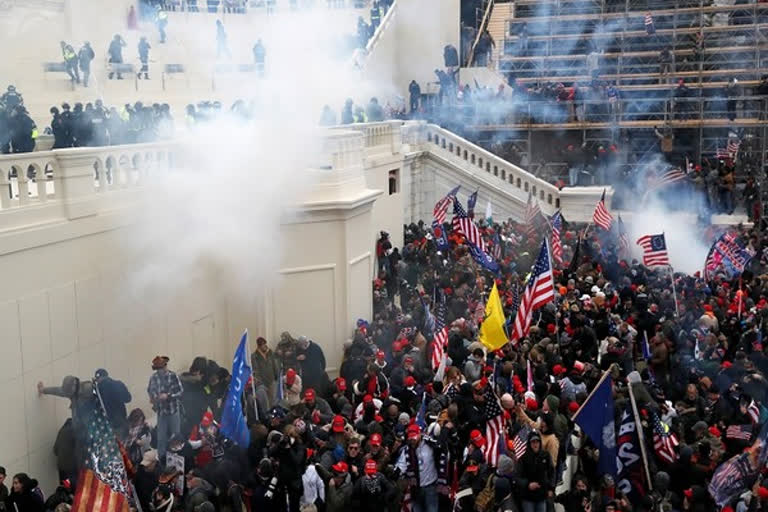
[(221, 206)]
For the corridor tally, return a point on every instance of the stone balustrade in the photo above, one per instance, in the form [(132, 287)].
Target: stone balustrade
[(463, 153), (70, 183), (66, 184)]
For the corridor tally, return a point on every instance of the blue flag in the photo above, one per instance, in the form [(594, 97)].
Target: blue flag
[(233, 424), (471, 202), (421, 416), (483, 258), (629, 461), (441, 239), (645, 347), (596, 420)]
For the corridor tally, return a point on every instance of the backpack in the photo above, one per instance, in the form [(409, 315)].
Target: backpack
[(485, 499)]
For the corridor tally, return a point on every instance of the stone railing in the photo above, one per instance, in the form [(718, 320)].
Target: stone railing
[(463, 153), (69, 183)]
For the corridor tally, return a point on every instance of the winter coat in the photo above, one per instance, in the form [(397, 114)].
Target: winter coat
[(265, 367), (535, 467), (313, 368), (339, 497), (64, 449), (115, 395)]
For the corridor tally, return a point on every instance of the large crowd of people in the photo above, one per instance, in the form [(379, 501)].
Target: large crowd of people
[(394, 432)]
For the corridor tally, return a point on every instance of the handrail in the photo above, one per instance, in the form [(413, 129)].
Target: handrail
[(480, 30), (449, 145), (380, 29)]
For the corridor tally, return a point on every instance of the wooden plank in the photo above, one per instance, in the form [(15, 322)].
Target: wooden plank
[(642, 33), (637, 14), (615, 55), (641, 76), (649, 124)]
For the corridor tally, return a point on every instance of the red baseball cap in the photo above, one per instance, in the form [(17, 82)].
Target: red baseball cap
[(370, 467), (375, 439), (688, 493), (531, 404), (340, 467), (367, 399), (290, 376), (338, 424), (341, 384), (207, 419), (477, 438), (380, 355), (309, 394), (413, 431), (409, 381)]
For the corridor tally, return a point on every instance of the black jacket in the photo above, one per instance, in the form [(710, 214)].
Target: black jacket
[(535, 467), (115, 395)]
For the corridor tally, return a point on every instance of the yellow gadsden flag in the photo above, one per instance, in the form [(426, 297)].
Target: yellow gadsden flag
[(492, 333)]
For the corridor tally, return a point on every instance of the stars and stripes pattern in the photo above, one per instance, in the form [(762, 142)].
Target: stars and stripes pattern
[(440, 211), (654, 250), (440, 341), (733, 147), (753, 411), (657, 181), (103, 482), (532, 212), (602, 217), (539, 291), (623, 239), (664, 440), (557, 246), (494, 427), (648, 21), (496, 249), (466, 226), (520, 442), (721, 153), (739, 432)]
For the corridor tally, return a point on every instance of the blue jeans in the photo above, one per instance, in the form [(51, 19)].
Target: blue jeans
[(427, 500), (168, 425), (535, 506)]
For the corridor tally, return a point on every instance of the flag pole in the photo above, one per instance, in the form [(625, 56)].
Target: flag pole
[(253, 381), (674, 290), (605, 375), (641, 436), (552, 268)]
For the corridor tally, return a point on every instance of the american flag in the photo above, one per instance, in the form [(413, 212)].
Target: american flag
[(649, 28), (539, 291), (733, 147), (754, 412), (656, 181), (739, 432), (440, 340), (494, 428), (654, 250), (557, 246), (441, 207), (721, 154), (602, 217), (471, 202), (103, 483), (520, 442), (664, 440), (466, 226), (623, 238), (532, 212), (497, 252)]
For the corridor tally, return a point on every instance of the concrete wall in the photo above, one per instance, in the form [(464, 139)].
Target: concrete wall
[(66, 309)]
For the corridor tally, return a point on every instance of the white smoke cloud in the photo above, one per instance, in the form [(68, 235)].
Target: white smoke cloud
[(686, 249)]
